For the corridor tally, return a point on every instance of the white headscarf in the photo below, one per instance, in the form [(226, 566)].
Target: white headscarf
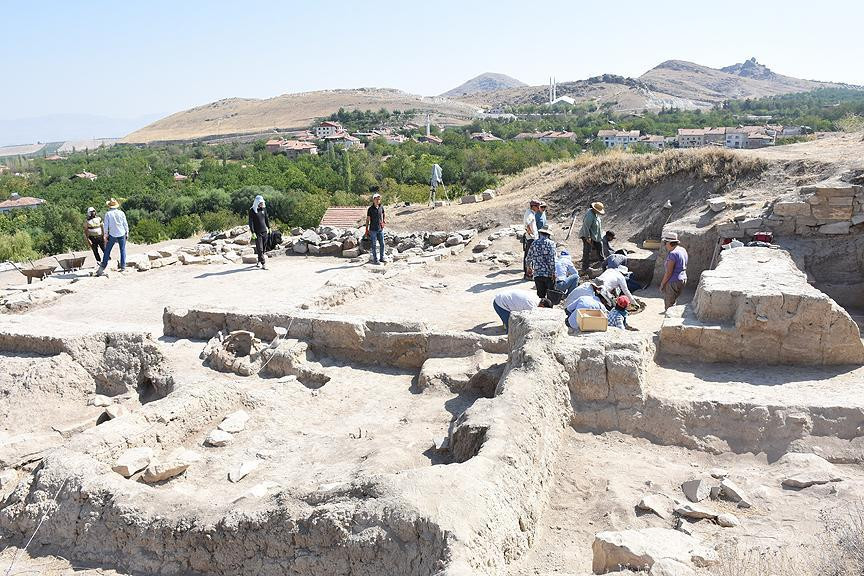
[(257, 202)]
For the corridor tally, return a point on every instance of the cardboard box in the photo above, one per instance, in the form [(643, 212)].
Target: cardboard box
[(591, 320)]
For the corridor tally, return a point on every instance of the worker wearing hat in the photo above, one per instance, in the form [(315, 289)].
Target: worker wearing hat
[(592, 235), (375, 220), (675, 274), (541, 262), (529, 219), (116, 232)]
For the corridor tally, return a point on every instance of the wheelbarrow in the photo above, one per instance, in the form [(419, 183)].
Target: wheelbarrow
[(71, 264), (39, 272)]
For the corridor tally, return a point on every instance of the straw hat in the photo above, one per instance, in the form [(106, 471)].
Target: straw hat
[(545, 230), (112, 203), (598, 207), (670, 237)]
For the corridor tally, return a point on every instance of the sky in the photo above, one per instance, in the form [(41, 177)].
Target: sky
[(134, 59)]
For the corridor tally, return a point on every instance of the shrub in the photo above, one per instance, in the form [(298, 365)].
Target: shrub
[(148, 231), (17, 247), (479, 181), (221, 220), (184, 226)]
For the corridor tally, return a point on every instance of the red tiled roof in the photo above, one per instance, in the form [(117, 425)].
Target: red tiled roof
[(344, 216), (22, 202)]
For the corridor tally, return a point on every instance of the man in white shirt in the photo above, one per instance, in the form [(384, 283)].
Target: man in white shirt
[(592, 288), (530, 221), (116, 232), (566, 274), (508, 301), (616, 279)]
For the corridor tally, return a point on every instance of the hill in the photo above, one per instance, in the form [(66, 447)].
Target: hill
[(706, 86), (486, 82), (674, 83), (239, 116)]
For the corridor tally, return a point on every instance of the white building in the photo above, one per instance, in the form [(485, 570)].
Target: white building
[(618, 138), (327, 128)]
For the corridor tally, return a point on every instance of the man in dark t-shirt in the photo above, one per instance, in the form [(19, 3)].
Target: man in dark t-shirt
[(375, 221)]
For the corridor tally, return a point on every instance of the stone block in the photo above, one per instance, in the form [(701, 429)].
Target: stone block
[(716, 204), (133, 460), (470, 199), (351, 252), (784, 208), (828, 212), (488, 195), (835, 228)]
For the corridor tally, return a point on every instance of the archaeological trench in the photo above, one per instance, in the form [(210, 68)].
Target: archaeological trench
[(309, 442)]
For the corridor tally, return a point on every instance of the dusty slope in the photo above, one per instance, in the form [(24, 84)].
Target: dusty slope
[(634, 187), (288, 111)]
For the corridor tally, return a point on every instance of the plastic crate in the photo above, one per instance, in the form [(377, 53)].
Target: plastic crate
[(591, 320)]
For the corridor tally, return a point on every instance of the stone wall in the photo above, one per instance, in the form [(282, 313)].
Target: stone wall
[(401, 344), (118, 362), (757, 307)]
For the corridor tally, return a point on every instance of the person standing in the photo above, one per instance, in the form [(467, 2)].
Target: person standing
[(259, 225), (541, 262), (592, 235), (529, 219), (375, 221), (540, 215), (94, 233), (436, 180), (675, 276), (116, 232)]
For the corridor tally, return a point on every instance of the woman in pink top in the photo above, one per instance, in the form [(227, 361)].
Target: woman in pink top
[(675, 277)]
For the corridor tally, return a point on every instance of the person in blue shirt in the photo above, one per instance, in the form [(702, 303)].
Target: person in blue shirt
[(540, 216), (591, 302), (116, 232)]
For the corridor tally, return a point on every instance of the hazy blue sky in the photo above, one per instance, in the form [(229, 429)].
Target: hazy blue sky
[(130, 58)]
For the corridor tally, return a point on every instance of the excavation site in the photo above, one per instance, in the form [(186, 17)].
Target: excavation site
[(333, 417)]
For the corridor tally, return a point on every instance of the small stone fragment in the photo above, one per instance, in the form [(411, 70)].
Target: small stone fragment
[(234, 422), (696, 490), (728, 520), (242, 470), (217, 438), (174, 465), (719, 473), (733, 493), (133, 460), (656, 503), (100, 401), (696, 511)]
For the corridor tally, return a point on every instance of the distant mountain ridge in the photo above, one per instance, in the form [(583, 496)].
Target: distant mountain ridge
[(671, 84), (486, 82)]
